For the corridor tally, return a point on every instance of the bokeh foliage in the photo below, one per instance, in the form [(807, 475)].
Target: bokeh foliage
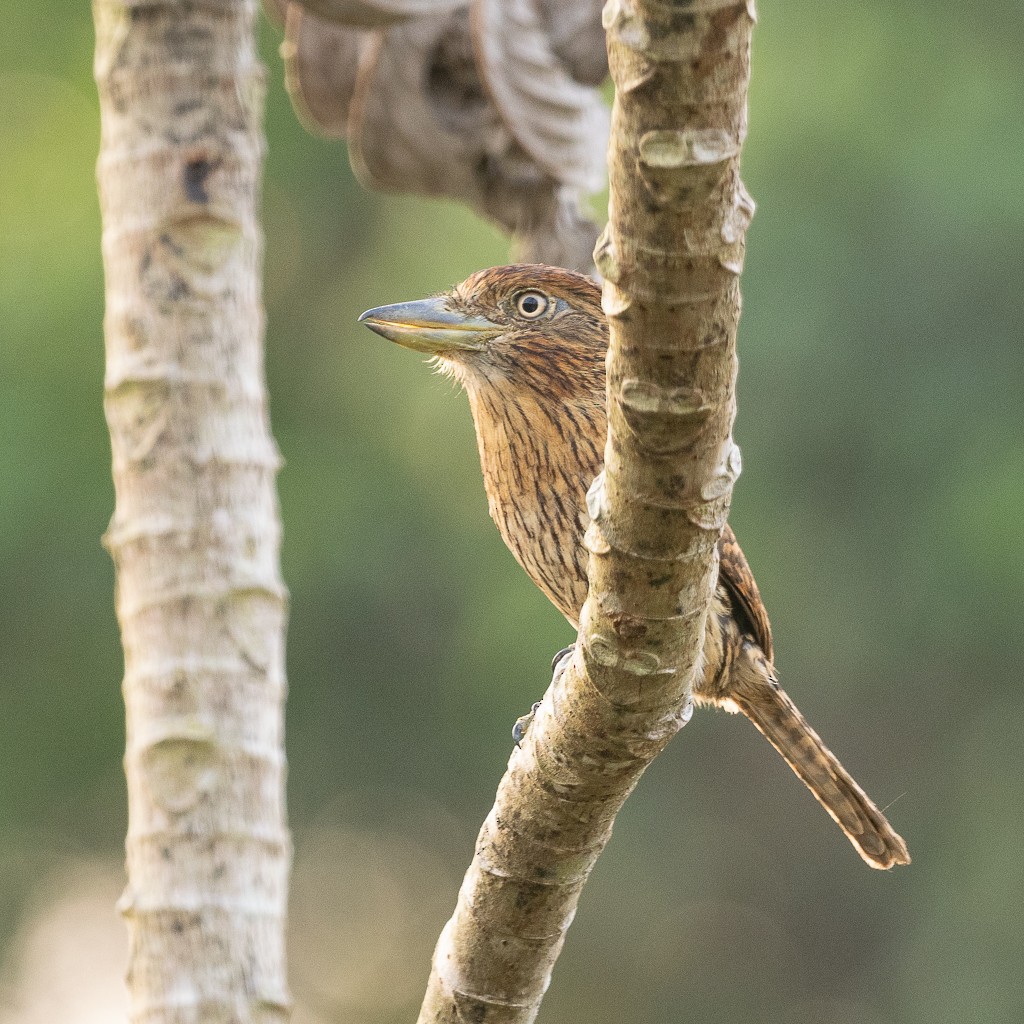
[(882, 427)]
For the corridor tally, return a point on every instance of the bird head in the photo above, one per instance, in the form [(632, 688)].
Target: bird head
[(525, 327), (528, 344)]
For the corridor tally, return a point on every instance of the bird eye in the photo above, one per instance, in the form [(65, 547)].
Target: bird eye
[(531, 304)]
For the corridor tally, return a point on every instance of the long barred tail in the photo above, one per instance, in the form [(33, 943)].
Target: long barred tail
[(780, 722)]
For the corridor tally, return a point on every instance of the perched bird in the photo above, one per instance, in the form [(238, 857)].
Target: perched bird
[(528, 344)]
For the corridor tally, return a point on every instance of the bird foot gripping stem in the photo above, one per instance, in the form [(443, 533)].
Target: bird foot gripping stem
[(559, 664), (523, 723)]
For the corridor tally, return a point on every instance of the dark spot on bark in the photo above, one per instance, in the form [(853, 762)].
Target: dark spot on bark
[(168, 243), (628, 628), (475, 1013), (194, 178), (177, 289)]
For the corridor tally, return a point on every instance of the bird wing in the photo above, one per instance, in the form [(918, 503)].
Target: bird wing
[(738, 578)]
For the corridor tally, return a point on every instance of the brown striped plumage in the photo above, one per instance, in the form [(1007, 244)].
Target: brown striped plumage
[(536, 386)]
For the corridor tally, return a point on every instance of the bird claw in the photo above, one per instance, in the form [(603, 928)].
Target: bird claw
[(558, 665), (560, 656), (523, 723)]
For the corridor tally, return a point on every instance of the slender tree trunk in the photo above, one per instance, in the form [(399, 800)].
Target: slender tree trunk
[(196, 531), (671, 259)]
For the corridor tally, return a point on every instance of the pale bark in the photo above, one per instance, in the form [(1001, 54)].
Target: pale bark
[(195, 534), (671, 259)]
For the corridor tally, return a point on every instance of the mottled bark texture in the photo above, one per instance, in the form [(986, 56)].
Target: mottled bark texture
[(195, 534), (671, 259)]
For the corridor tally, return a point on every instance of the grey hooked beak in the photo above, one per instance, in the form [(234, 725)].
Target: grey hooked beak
[(428, 325)]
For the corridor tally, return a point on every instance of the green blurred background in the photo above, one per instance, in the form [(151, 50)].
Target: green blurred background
[(882, 427)]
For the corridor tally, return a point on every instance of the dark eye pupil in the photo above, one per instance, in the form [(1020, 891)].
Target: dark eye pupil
[(530, 304)]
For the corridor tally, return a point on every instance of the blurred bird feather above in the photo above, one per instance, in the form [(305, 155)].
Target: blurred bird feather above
[(491, 104)]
